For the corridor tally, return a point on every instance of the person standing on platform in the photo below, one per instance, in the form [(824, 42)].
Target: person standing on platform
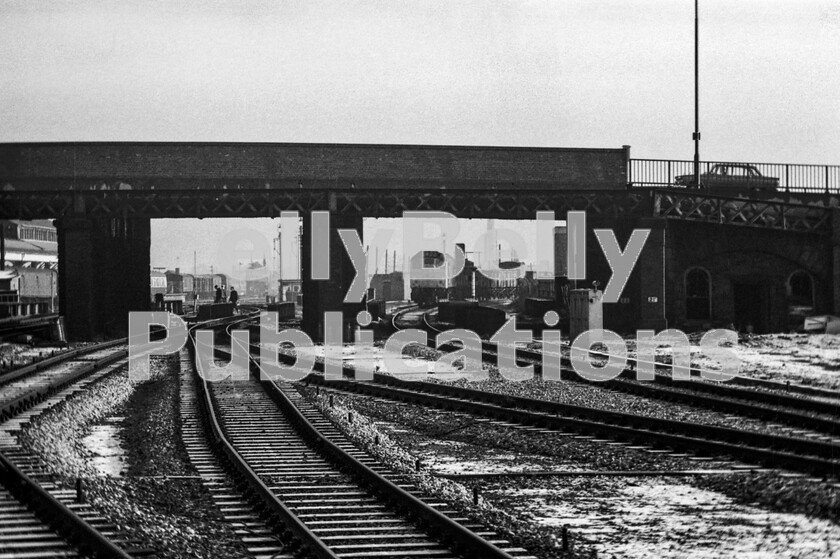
[(234, 297), (219, 295)]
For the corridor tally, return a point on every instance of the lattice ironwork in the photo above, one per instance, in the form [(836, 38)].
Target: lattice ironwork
[(744, 212), (511, 204)]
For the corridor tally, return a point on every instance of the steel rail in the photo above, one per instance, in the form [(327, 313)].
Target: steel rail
[(462, 539), (697, 384), (37, 366), (723, 397), (46, 507), (695, 372), (55, 514), (717, 396), (295, 526), (40, 393), (822, 458), (20, 324), (673, 434)]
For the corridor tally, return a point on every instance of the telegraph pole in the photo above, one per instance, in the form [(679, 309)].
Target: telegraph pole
[(696, 135)]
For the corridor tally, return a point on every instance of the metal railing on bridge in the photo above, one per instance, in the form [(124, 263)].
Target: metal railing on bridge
[(793, 177)]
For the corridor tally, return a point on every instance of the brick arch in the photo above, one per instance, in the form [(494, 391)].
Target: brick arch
[(795, 291), (769, 270), (819, 269)]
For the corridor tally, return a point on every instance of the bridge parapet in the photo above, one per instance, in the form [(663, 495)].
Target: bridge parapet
[(743, 211), (792, 177)]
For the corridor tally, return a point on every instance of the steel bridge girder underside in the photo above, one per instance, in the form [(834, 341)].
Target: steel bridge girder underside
[(467, 203)]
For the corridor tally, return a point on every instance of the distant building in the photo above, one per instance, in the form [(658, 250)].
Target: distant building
[(28, 267), (256, 288), (157, 287), (25, 291), (388, 287), (174, 281), (471, 283), (29, 244), (532, 287), (289, 290)]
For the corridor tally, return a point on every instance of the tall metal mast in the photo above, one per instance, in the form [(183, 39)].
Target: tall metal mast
[(696, 135)]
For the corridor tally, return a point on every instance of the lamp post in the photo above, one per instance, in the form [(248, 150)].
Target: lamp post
[(696, 135)]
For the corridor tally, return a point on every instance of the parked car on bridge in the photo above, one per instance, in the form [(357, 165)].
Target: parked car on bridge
[(730, 176)]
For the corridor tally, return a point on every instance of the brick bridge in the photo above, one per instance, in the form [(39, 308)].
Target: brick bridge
[(104, 195)]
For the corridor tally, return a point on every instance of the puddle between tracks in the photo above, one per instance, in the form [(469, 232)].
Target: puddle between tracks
[(104, 444)]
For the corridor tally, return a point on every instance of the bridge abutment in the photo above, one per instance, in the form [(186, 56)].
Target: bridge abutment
[(321, 296), (103, 274), (835, 253), (650, 287)]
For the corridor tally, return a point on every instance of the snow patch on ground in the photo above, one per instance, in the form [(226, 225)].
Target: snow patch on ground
[(661, 517)]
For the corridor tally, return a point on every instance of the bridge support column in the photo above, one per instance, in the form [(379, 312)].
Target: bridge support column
[(320, 296), (103, 274), (835, 254), (642, 302), (651, 270)]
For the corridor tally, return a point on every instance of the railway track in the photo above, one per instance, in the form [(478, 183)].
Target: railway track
[(36, 523), (791, 395), (28, 370), (41, 517), (25, 387), (239, 511), (812, 455), (332, 498), (24, 324), (812, 409), (804, 455)]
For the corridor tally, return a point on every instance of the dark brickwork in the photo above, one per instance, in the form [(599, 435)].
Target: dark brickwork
[(103, 274), (105, 261), (328, 295), (835, 252), (164, 164), (641, 304), (751, 260), (758, 262)]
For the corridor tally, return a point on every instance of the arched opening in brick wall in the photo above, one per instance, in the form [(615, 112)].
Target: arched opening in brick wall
[(800, 288), (698, 294)]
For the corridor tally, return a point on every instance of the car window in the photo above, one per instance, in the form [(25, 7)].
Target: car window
[(738, 171)]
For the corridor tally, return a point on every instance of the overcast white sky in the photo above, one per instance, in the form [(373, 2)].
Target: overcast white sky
[(564, 73)]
